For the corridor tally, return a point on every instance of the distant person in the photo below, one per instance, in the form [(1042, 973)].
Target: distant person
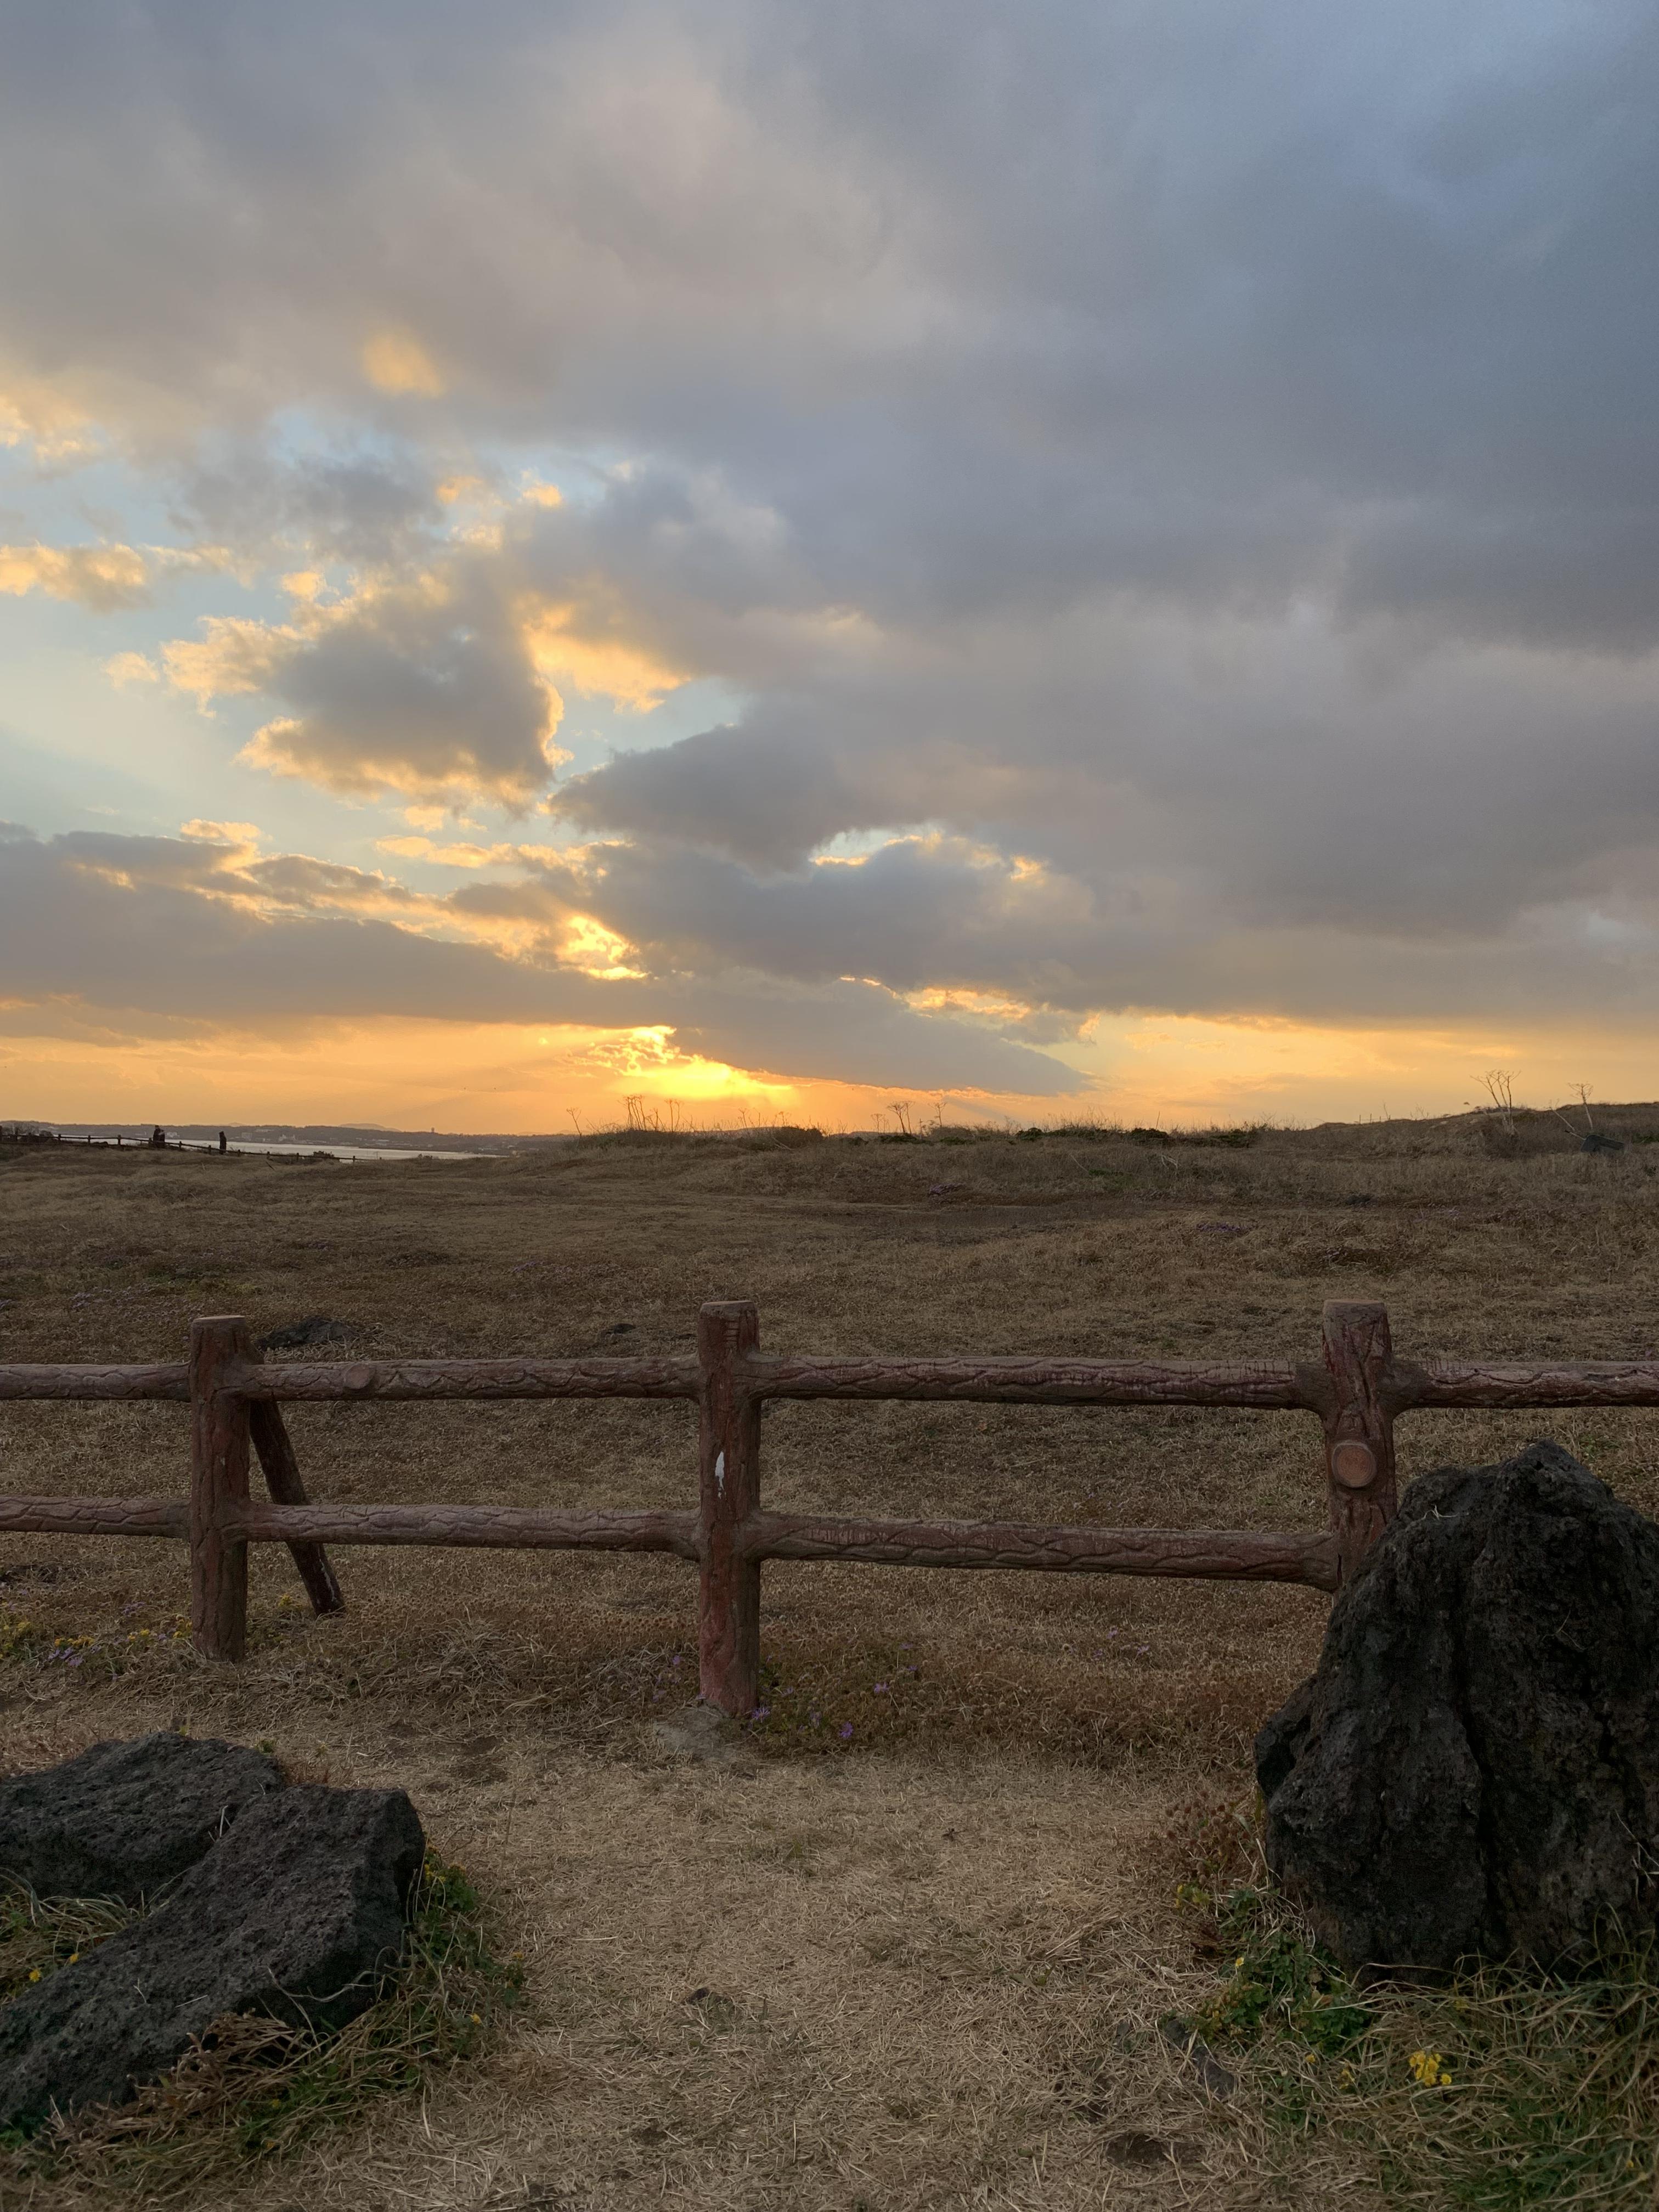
[(222, 1141), (158, 1139)]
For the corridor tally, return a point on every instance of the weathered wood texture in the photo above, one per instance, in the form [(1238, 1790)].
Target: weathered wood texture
[(94, 1517), (282, 1479), (1359, 1463), (298, 1380), (1209, 1554), (1221, 1555), (490, 1528), (169, 1380), (1266, 1383), (728, 1460), (1499, 1383), (219, 1442)]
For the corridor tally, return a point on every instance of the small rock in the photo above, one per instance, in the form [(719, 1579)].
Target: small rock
[(1473, 1770), (717, 2010), (1183, 2039), (315, 1328), (124, 1819), (1134, 2147), (297, 1913), (700, 1732), (1598, 1141), (44, 1572)]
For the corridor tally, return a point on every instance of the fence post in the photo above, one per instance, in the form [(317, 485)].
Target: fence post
[(1358, 1428), (276, 1448), (728, 1453), (219, 1430)]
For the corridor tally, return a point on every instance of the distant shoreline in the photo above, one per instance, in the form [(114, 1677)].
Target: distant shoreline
[(358, 1143)]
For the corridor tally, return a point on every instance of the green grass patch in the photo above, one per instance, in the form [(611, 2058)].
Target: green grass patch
[(1496, 2090), (253, 2090)]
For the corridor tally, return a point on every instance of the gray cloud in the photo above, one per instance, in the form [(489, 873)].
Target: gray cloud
[(1196, 467), (411, 692), (146, 929), (942, 915), (350, 501), (1153, 302)]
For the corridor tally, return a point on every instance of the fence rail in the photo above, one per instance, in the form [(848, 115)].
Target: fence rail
[(1356, 1391)]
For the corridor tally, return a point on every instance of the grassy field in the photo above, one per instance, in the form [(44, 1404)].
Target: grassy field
[(907, 1939)]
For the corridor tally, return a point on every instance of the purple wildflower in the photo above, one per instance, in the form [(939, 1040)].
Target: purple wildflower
[(846, 1731)]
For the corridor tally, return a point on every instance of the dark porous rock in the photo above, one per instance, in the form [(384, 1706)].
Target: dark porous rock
[(124, 1819), (1474, 1770), (298, 1913), (315, 1328)]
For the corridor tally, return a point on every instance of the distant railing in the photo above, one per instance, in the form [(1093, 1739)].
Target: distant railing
[(1357, 1390), (19, 1134)]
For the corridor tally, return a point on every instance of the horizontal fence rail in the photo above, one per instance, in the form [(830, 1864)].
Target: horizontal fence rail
[(1356, 1391), (1264, 1385)]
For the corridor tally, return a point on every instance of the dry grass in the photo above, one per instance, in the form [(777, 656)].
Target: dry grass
[(1493, 2090), (255, 2089), (931, 1954)]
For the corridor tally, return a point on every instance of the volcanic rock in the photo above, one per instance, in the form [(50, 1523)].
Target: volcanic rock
[(124, 1819), (298, 1913), (315, 1328), (1473, 1770)]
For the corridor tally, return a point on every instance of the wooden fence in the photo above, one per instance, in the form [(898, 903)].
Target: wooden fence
[(1356, 1391)]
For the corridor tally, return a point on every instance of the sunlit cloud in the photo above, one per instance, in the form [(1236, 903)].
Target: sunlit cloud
[(103, 579), (126, 668), (605, 666), (34, 415), (395, 361), (458, 854)]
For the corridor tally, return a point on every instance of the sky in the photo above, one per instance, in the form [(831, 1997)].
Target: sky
[(1091, 560)]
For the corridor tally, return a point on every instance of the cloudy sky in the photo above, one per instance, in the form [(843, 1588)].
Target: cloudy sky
[(1093, 558)]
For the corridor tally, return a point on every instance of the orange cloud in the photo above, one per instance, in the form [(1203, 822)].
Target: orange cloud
[(99, 577), (563, 640), (394, 361), (33, 413)]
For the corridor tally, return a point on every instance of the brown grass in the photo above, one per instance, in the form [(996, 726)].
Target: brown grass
[(932, 1955)]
